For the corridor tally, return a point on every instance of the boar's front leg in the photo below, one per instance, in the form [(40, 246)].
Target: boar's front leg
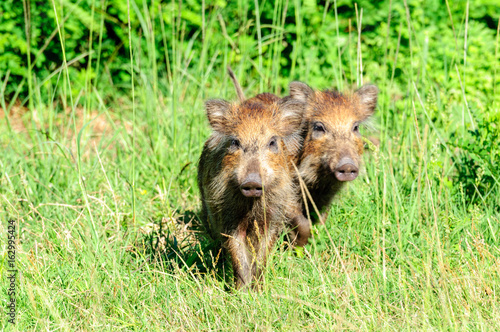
[(300, 227), (241, 258), (264, 245), (301, 230)]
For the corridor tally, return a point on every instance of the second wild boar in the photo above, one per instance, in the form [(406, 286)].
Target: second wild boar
[(332, 146)]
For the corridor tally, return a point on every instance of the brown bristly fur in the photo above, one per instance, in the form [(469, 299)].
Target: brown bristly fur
[(248, 227), (339, 115)]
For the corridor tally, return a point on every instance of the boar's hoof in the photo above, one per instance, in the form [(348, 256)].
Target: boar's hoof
[(252, 186), (346, 170)]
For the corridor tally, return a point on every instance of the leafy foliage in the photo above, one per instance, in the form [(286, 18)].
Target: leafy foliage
[(90, 27), (477, 160)]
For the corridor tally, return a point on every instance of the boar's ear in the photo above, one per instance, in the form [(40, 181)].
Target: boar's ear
[(291, 115), (368, 95), (217, 110), (300, 91)]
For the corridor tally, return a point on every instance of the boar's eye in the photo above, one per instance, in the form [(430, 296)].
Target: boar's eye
[(273, 144), (235, 143), (318, 126), (356, 128)]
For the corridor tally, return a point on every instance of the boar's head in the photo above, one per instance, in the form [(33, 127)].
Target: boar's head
[(333, 144), (255, 139)]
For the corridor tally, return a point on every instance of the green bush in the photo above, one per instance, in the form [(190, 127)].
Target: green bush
[(281, 51), (477, 160)]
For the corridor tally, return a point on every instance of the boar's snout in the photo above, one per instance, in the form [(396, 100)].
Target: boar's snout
[(346, 170), (252, 185)]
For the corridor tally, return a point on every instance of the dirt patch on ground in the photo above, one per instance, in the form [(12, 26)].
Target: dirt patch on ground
[(65, 126), (16, 119)]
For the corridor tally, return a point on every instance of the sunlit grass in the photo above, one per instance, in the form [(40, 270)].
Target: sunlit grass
[(105, 194)]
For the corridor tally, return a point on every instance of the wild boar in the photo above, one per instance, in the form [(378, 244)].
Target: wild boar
[(246, 183), (298, 226), (332, 146)]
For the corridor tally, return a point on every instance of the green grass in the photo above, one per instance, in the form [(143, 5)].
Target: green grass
[(90, 176)]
